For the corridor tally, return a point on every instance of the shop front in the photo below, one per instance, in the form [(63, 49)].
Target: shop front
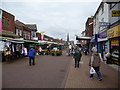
[(114, 37), (11, 48), (103, 43)]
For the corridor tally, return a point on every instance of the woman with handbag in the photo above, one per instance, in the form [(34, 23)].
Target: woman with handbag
[(95, 63)]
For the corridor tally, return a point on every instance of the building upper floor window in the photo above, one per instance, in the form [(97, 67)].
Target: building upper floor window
[(5, 22), (25, 35), (16, 31), (33, 34), (28, 35), (8, 22), (20, 32)]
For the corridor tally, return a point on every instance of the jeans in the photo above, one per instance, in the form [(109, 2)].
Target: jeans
[(77, 63), (55, 53), (97, 69), (31, 60)]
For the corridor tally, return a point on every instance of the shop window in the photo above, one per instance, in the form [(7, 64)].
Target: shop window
[(8, 23), (115, 51)]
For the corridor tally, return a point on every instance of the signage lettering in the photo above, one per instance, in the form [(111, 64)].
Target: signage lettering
[(103, 24), (113, 32), (115, 13)]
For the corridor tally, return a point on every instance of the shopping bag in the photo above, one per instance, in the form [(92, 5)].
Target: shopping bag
[(92, 70)]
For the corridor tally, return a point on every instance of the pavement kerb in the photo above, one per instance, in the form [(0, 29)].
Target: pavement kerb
[(67, 73)]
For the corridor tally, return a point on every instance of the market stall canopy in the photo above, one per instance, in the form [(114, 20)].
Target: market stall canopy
[(18, 40), (11, 40), (83, 38)]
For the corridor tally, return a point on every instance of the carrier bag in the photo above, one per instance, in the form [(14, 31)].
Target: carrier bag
[(92, 70)]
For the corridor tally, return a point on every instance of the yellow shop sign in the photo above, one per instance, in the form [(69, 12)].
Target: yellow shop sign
[(115, 41), (113, 32), (115, 13)]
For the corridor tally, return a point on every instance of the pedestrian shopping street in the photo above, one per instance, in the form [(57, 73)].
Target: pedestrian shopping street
[(59, 44), (55, 72)]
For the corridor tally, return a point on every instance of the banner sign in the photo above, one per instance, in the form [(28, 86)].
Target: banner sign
[(116, 13), (96, 38), (0, 21), (42, 35)]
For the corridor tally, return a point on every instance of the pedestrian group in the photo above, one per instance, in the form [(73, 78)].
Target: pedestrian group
[(94, 63)]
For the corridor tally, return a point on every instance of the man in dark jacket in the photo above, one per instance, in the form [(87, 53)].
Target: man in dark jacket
[(77, 56), (31, 55)]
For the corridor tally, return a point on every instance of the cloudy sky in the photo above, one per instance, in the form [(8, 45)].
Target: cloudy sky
[(56, 18)]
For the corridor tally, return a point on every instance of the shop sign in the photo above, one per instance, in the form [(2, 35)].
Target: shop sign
[(103, 34), (115, 13), (115, 42), (103, 24), (113, 32)]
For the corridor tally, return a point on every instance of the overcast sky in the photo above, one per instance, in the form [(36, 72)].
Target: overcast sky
[(55, 18)]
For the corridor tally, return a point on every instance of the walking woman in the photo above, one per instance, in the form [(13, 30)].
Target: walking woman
[(95, 63)]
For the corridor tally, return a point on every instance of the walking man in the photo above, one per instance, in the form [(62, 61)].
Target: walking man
[(77, 55), (95, 63), (31, 55)]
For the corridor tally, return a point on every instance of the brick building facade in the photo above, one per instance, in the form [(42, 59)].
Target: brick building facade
[(89, 27), (8, 21), (22, 30)]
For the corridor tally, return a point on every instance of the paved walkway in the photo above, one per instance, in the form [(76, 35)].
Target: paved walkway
[(48, 72), (79, 77)]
